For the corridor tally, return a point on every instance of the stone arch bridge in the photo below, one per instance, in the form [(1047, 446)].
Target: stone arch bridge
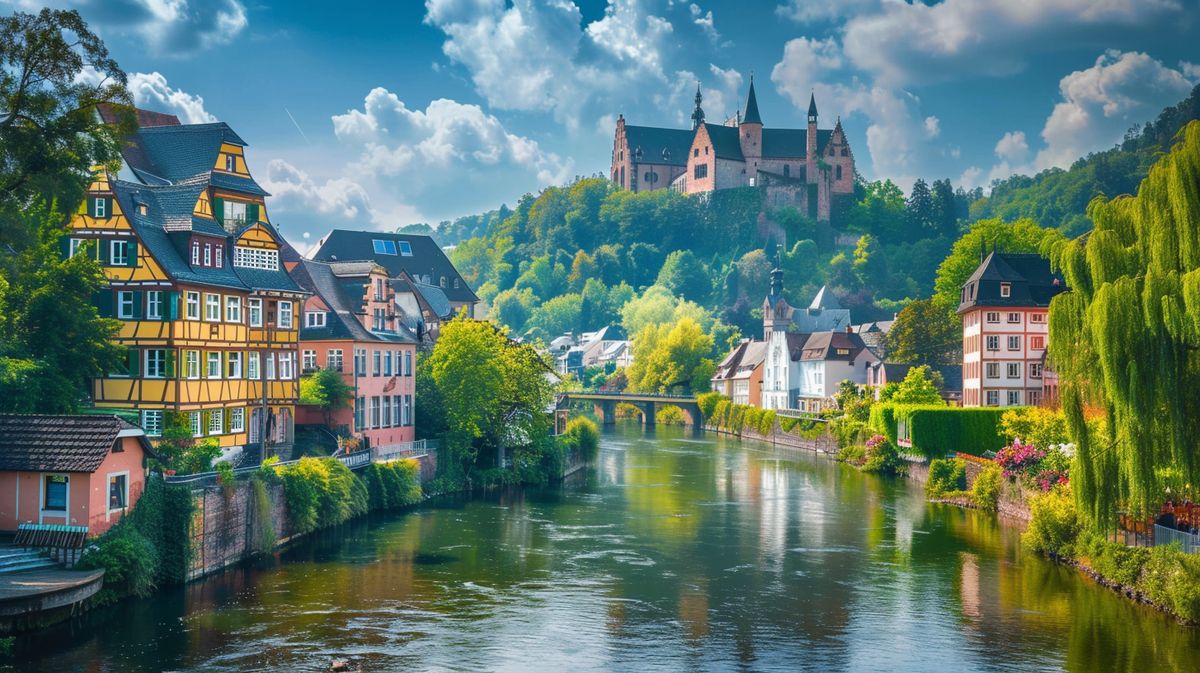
[(648, 403)]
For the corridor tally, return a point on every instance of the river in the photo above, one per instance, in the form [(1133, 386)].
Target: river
[(674, 553)]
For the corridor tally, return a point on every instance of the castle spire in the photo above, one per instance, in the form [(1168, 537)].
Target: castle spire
[(698, 113), (751, 116), (812, 107)]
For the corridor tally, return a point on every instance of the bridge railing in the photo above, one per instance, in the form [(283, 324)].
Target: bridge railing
[(617, 396)]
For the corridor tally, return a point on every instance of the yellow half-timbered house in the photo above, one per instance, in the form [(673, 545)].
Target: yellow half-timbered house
[(209, 317)]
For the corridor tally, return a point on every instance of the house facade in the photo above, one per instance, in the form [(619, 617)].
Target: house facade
[(825, 360), (1004, 306), (209, 317), (739, 375), (351, 325), (86, 470)]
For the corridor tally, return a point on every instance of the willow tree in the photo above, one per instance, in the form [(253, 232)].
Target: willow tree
[(1126, 339)]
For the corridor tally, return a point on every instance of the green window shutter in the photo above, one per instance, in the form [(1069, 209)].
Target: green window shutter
[(225, 421), (133, 253), (203, 364), (172, 308), (169, 363), (135, 361), (104, 302), (105, 248), (108, 205), (137, 304), (218, 207), (251, 213), (64, 246)]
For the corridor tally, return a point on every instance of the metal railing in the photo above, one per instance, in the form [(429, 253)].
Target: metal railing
[(617, 396), (1189, 541), (802, 415), (354, 461), (404, 450)]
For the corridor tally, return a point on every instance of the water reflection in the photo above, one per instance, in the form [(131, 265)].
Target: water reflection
[(674, 553)]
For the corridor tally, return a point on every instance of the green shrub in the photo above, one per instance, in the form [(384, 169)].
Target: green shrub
[(985, 491), (225, 475), (881, 457), (935, 430), (720, 414), (1171, 578), (670, 415), (1113, 560), (766, 425), (129, 560), (393, 484), (321, 492), (163, 515), (537, 463), (946, 476), (708, 403), (750, 418), (1053, 524), (263, 525), (847, 431), (586, 436), (854, 454)]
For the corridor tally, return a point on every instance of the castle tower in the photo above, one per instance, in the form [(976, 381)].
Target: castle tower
[(811, 152), (750, 132), (698, 113)]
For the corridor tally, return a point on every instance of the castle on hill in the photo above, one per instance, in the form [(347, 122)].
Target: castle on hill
[(806, 168)]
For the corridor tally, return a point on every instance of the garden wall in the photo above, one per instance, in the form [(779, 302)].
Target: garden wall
[(824, 443)]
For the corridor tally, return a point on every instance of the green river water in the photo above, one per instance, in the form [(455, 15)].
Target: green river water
[(675, 553)]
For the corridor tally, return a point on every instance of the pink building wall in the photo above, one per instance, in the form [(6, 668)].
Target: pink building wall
[(1032, 326)]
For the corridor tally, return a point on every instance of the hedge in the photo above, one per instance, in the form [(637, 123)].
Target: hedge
[(720, 412), (936, 431)]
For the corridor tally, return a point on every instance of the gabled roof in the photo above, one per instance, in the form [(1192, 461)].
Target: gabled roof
[(658, 145), (785, 143), (725, 141), (427, 258), (812, 104), (45, 443), (751, 116), (1031, 282), (825, 299), (341, 321), (825, 346)]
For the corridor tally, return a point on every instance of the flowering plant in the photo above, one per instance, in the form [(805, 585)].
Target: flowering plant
[(1018, 458), (1048, 479)]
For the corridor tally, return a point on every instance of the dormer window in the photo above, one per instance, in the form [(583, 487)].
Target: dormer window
[(230, 163), (101, 207), (195, 253), (235, 212), (142, 209), (405, 249), (314, 319), (1005, 289), (217, 261), (382, 247)]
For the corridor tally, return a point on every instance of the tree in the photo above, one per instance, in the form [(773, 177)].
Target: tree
[(50, 133), (671, 355), (1126, 341), (560, 314), (513, 308), (881, 212), (685, 275), (918, 387), (583, 267), (328, 390), (945, 209), (919, 210), (924, 335), (645, 260), (754, 276), (1020, 236)]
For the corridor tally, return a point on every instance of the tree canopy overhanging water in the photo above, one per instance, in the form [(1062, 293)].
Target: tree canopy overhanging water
[(674, 553)]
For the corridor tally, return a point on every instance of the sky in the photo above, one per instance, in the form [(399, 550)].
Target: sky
[(374, 115)]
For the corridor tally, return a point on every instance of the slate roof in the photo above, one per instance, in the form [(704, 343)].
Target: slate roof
[(44, 443), (725, 141), (1031, 282), (751, 116), (341, 321), (785, 143), (427, 258), (824, 346), (658, 145), (825, 299), (237, 183)]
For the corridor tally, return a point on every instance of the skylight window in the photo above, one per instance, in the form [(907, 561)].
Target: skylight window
[(405, 249), (384, 247)]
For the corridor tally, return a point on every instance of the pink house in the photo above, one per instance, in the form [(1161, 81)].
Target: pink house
[(352, 325), (72, 470)]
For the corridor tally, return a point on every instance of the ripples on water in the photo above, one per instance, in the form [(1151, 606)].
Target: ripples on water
[(675, 553)]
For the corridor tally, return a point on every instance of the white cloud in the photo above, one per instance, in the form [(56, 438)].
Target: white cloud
[(918, 42), (169, 27), (933, 127), (294, 192), (705, 21), (151, 92), (970, 178), (1101, 102), (1013, 147), (814, 11)]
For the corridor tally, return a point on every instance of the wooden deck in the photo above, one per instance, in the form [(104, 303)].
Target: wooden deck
[(44, 596)]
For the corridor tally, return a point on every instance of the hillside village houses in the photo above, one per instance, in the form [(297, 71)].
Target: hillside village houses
[(606, 346), (221, 317)]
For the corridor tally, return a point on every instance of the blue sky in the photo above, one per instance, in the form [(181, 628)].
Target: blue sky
[(376, 115)]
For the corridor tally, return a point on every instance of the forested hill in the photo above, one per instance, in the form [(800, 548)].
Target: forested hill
[(1059, 198)]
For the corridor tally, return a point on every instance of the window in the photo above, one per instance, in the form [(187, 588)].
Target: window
[(843, 351), (375, 363), (285, 315), (396, 418), (152, 422), (256, 258), (156, 363), (385, 412), (287, 366), (1014, 370), (270, 366), (118, 253), (333, 359), (195, 423), (380, 324), (993, 398), (408, 409), (993, 316), (193, 306), (1005, 289), (360, 411), (192, 362), (700, 171), (254, 307), (1014, 343), (314, 319), (214, 365), (237, 420), (100, 206), (216, 421), (252, 366), (375, 411), (1037, 318), (408, 363), (118, 491), (208, 254), (74, 246), (993, 343), (696, 152), (212, 307), (233, 365), (195, 253), (1034, 397), (308, 360), (217, 261), (405, 249), (993, 370), (54, 492), (235, 212), (360, 362), (233, 309), (387, 363), (125, 304), (442, 282), (230, 163), (1014, 317), (154, 304), (1037, 343), (383, 247), (1035, 370), (1014, 398)]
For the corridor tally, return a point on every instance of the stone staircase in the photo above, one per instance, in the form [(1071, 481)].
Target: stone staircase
[(16, 559)]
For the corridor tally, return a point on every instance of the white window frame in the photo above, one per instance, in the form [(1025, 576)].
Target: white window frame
[(1014, 343), (308, 360), (208, 254), (193, 305), (75, 245), (160, 361), (192, 364), (233, 309), (397, 418), (100, 207), (314, 319), (233, 365), (237, 419), (992, 370), (383, 247), (1013, 370), (992, 339), (405, 248), (108, 510), (254, 308), (385, 411), (231, 213), (1014, 317), (1035, 370), (252, 365), (42, 511), (195, 422), (212, 364), (285, 315), (992, 398), (1013, 398), (216, 419), (287, 370), (270, 366), (195, 253), (256, 258), (230, 163), (212, 307), (387, 363), (154, 304), (152, 420), (335, 355), (123, 297), (1037, 318), (217, 256), (1005, 289), (993, 317)]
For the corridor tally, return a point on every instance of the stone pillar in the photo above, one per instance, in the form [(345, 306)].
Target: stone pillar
[(648, 410)]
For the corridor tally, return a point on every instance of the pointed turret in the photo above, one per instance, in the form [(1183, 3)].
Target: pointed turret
[(698, 113), (812, 108), (751, 116)]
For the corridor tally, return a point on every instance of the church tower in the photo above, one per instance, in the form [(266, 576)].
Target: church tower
[(698, 113), (811, 153), (750, 133), (777, 314)]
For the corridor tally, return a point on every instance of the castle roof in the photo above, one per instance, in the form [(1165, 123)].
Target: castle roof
[(751, 116), (812, 104), (725, 141), (658, 145), (1028, 276)]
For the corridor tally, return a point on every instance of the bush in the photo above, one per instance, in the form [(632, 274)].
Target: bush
[(985, 491), (946, 476), (708, 403), (1171, 578), (937, 430), (766, 425), (263, 524), (848, 432), (586, 437), (129, 560), (393, 484), (321, 492), (1053, 524), (854, 454), (537, 463), (670, 415), (881, 457)]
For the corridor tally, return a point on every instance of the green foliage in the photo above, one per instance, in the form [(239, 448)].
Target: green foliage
[(393, 484), (585, 436), (985, 490), (328, 390), (535, 463), (1054, 524), (708, 402), (667, 356), (935, 431), (225, 475), (1171, 578), (881, 457), (918, 387), (947, 476), (129, 560), (686, 276), (321, 492), (1039, 426), (1124, 340), (261, 522), (924, 334)]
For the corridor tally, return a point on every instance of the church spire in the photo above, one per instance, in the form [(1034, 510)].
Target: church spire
[(698, 113), (812, 108), (751, 116)]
